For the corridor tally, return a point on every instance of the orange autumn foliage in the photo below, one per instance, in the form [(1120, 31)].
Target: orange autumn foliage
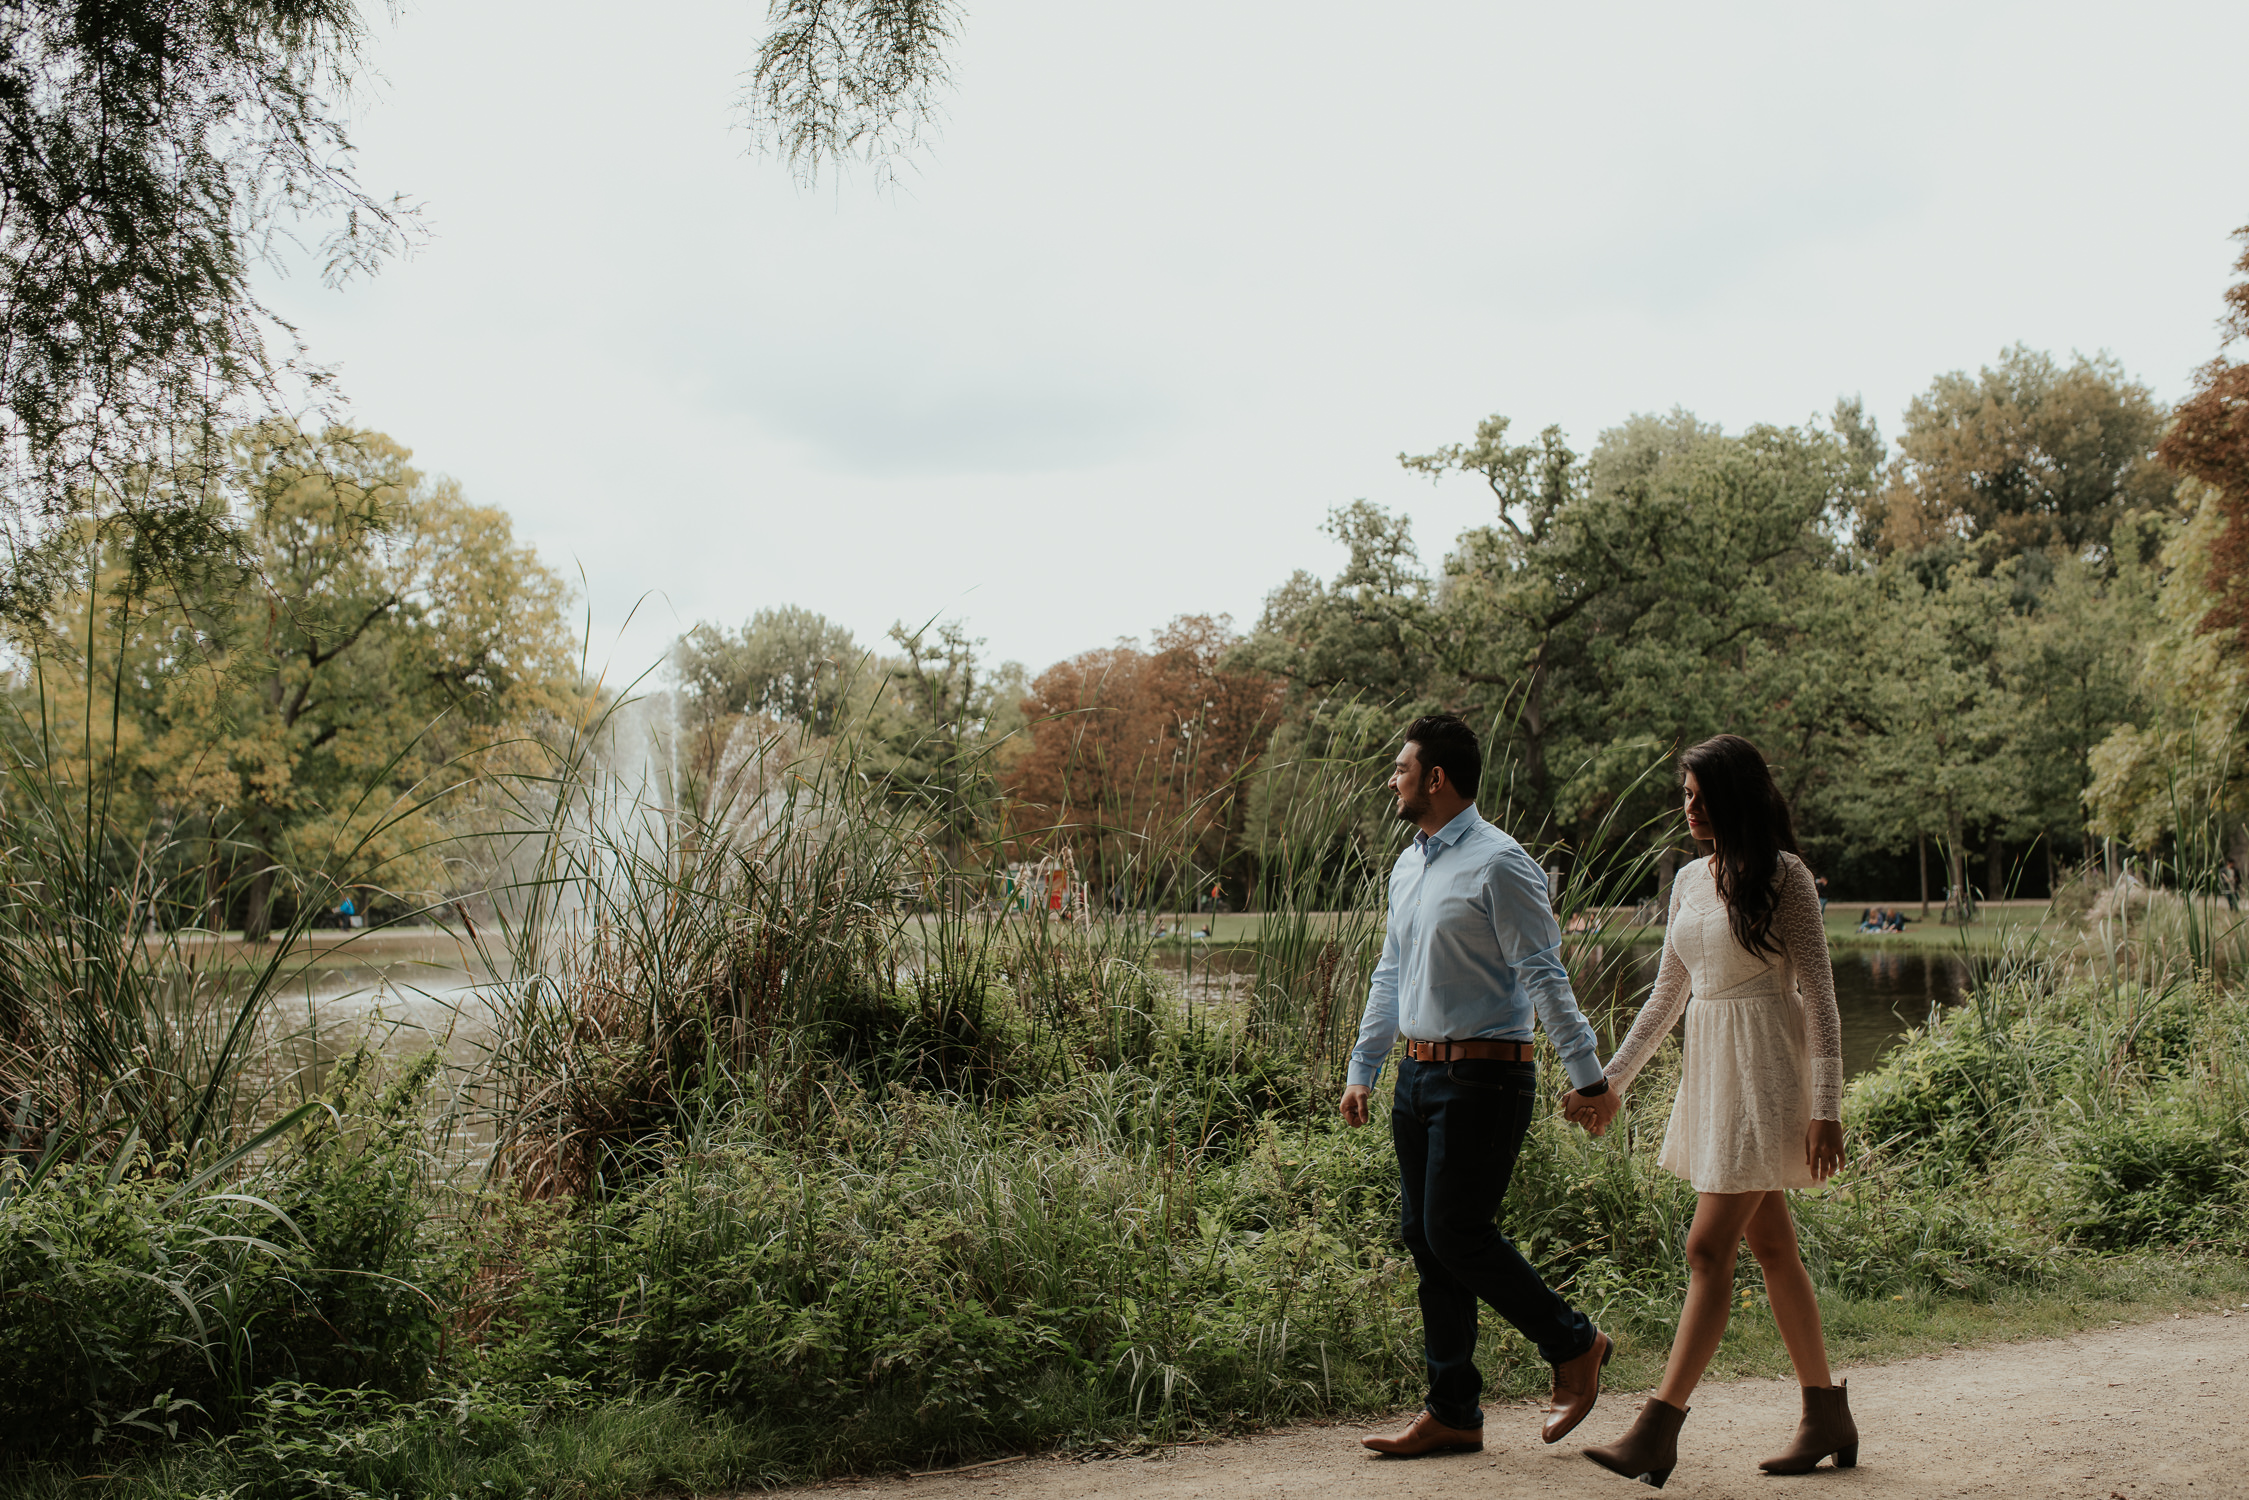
[(1138, 755), (2209, 440)]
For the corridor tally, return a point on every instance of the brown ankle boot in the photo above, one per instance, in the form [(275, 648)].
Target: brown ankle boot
[(1827, 1428), (1650, 1451)]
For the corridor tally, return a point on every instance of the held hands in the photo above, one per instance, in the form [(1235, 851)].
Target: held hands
[(1594, 1113), (1823, 1148)]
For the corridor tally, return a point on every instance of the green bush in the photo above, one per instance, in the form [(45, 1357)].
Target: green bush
[(304, 1442), (921, 1273), (133, 1306), (1600, 1211), (1959, 1091), (2162, 1172)]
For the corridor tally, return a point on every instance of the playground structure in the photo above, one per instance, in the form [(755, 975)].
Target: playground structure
[(1050, 885)]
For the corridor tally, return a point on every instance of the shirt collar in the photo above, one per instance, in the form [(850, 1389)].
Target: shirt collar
[(1452, 833)]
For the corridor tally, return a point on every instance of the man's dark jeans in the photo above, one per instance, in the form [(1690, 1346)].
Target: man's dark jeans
[(1458, 1127)]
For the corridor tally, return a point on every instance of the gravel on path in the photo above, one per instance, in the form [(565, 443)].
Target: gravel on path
[(2148, 1411)]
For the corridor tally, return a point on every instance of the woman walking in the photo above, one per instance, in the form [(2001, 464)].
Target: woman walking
[(1758, 1110)]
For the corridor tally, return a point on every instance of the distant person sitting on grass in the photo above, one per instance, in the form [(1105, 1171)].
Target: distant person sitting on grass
[(1866, 920), (1895, 921)]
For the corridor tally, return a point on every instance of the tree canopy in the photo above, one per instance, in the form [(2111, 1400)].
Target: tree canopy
[(1958, 647), (304, 701), (152, 153), (2026, 456), (1142, 755)]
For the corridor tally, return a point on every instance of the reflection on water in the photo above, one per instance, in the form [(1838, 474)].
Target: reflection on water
[(411, 1006), (401, 1008), (1879, 993)]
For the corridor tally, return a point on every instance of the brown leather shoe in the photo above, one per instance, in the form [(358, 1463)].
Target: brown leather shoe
[(1577, 1385), (1425, 1434)]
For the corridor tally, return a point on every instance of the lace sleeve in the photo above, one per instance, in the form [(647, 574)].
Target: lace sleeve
[(1663, 1005), (1796, 922)]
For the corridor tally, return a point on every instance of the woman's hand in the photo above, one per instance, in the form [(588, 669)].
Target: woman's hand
[(1823, 1148), (1594, 1113)]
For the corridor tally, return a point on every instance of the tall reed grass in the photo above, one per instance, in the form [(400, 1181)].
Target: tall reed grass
[(798, 1132)]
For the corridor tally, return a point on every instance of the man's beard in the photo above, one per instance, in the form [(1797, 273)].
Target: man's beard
[(1411, 812)]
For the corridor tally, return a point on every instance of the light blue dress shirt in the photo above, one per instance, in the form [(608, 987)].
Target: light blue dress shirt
[(1472, 949)]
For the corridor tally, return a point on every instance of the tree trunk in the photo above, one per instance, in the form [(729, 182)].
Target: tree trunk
[(1667, 865), (1534, 749), (1995, 866), (257, 922), (1921, 851), (1956, 865)]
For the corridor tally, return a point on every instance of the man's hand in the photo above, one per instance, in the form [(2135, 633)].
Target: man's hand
[(1594, 1113), (1823, 1148), (1354, 1105)]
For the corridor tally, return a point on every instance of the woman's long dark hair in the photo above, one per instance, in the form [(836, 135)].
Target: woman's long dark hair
[(1750, 818)]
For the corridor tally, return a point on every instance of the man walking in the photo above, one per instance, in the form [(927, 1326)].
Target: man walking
[(1471, 953)]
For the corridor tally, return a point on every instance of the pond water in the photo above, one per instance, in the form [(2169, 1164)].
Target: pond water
[(404, 1007), (415, 1004), (1879, 993)]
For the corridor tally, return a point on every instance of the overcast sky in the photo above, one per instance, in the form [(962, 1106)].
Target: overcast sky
[(1176, 278)]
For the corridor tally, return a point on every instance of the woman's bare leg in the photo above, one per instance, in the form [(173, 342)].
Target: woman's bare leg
[(1713, 1243), (1772, 1239)]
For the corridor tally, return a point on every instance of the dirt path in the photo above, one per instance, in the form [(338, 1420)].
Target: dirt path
[(2142, 1412)]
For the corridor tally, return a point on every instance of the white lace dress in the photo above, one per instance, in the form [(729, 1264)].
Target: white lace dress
[(1764, 1040)]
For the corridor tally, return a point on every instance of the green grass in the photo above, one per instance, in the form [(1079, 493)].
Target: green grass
[(326, 948), (1998, 927), (866, 1277), (617, 1449)]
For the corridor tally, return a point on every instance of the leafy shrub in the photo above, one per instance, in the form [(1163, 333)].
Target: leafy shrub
[(1601, 1210), (1954, 1091), (2160, 1172), (131, 1303), (1865, 1239), (304, 1442), (926, 1273)]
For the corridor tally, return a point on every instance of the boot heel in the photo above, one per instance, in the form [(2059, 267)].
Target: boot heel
[(1650, 1451), (1827, 1428)]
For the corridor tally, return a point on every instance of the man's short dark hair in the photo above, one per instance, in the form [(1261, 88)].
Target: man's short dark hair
[(1448, 744)]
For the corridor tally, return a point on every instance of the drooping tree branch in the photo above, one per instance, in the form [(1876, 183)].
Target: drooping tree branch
[(150, 155), (844, 80)]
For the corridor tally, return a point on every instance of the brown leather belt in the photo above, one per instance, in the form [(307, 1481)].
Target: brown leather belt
[(1464, 1051)]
